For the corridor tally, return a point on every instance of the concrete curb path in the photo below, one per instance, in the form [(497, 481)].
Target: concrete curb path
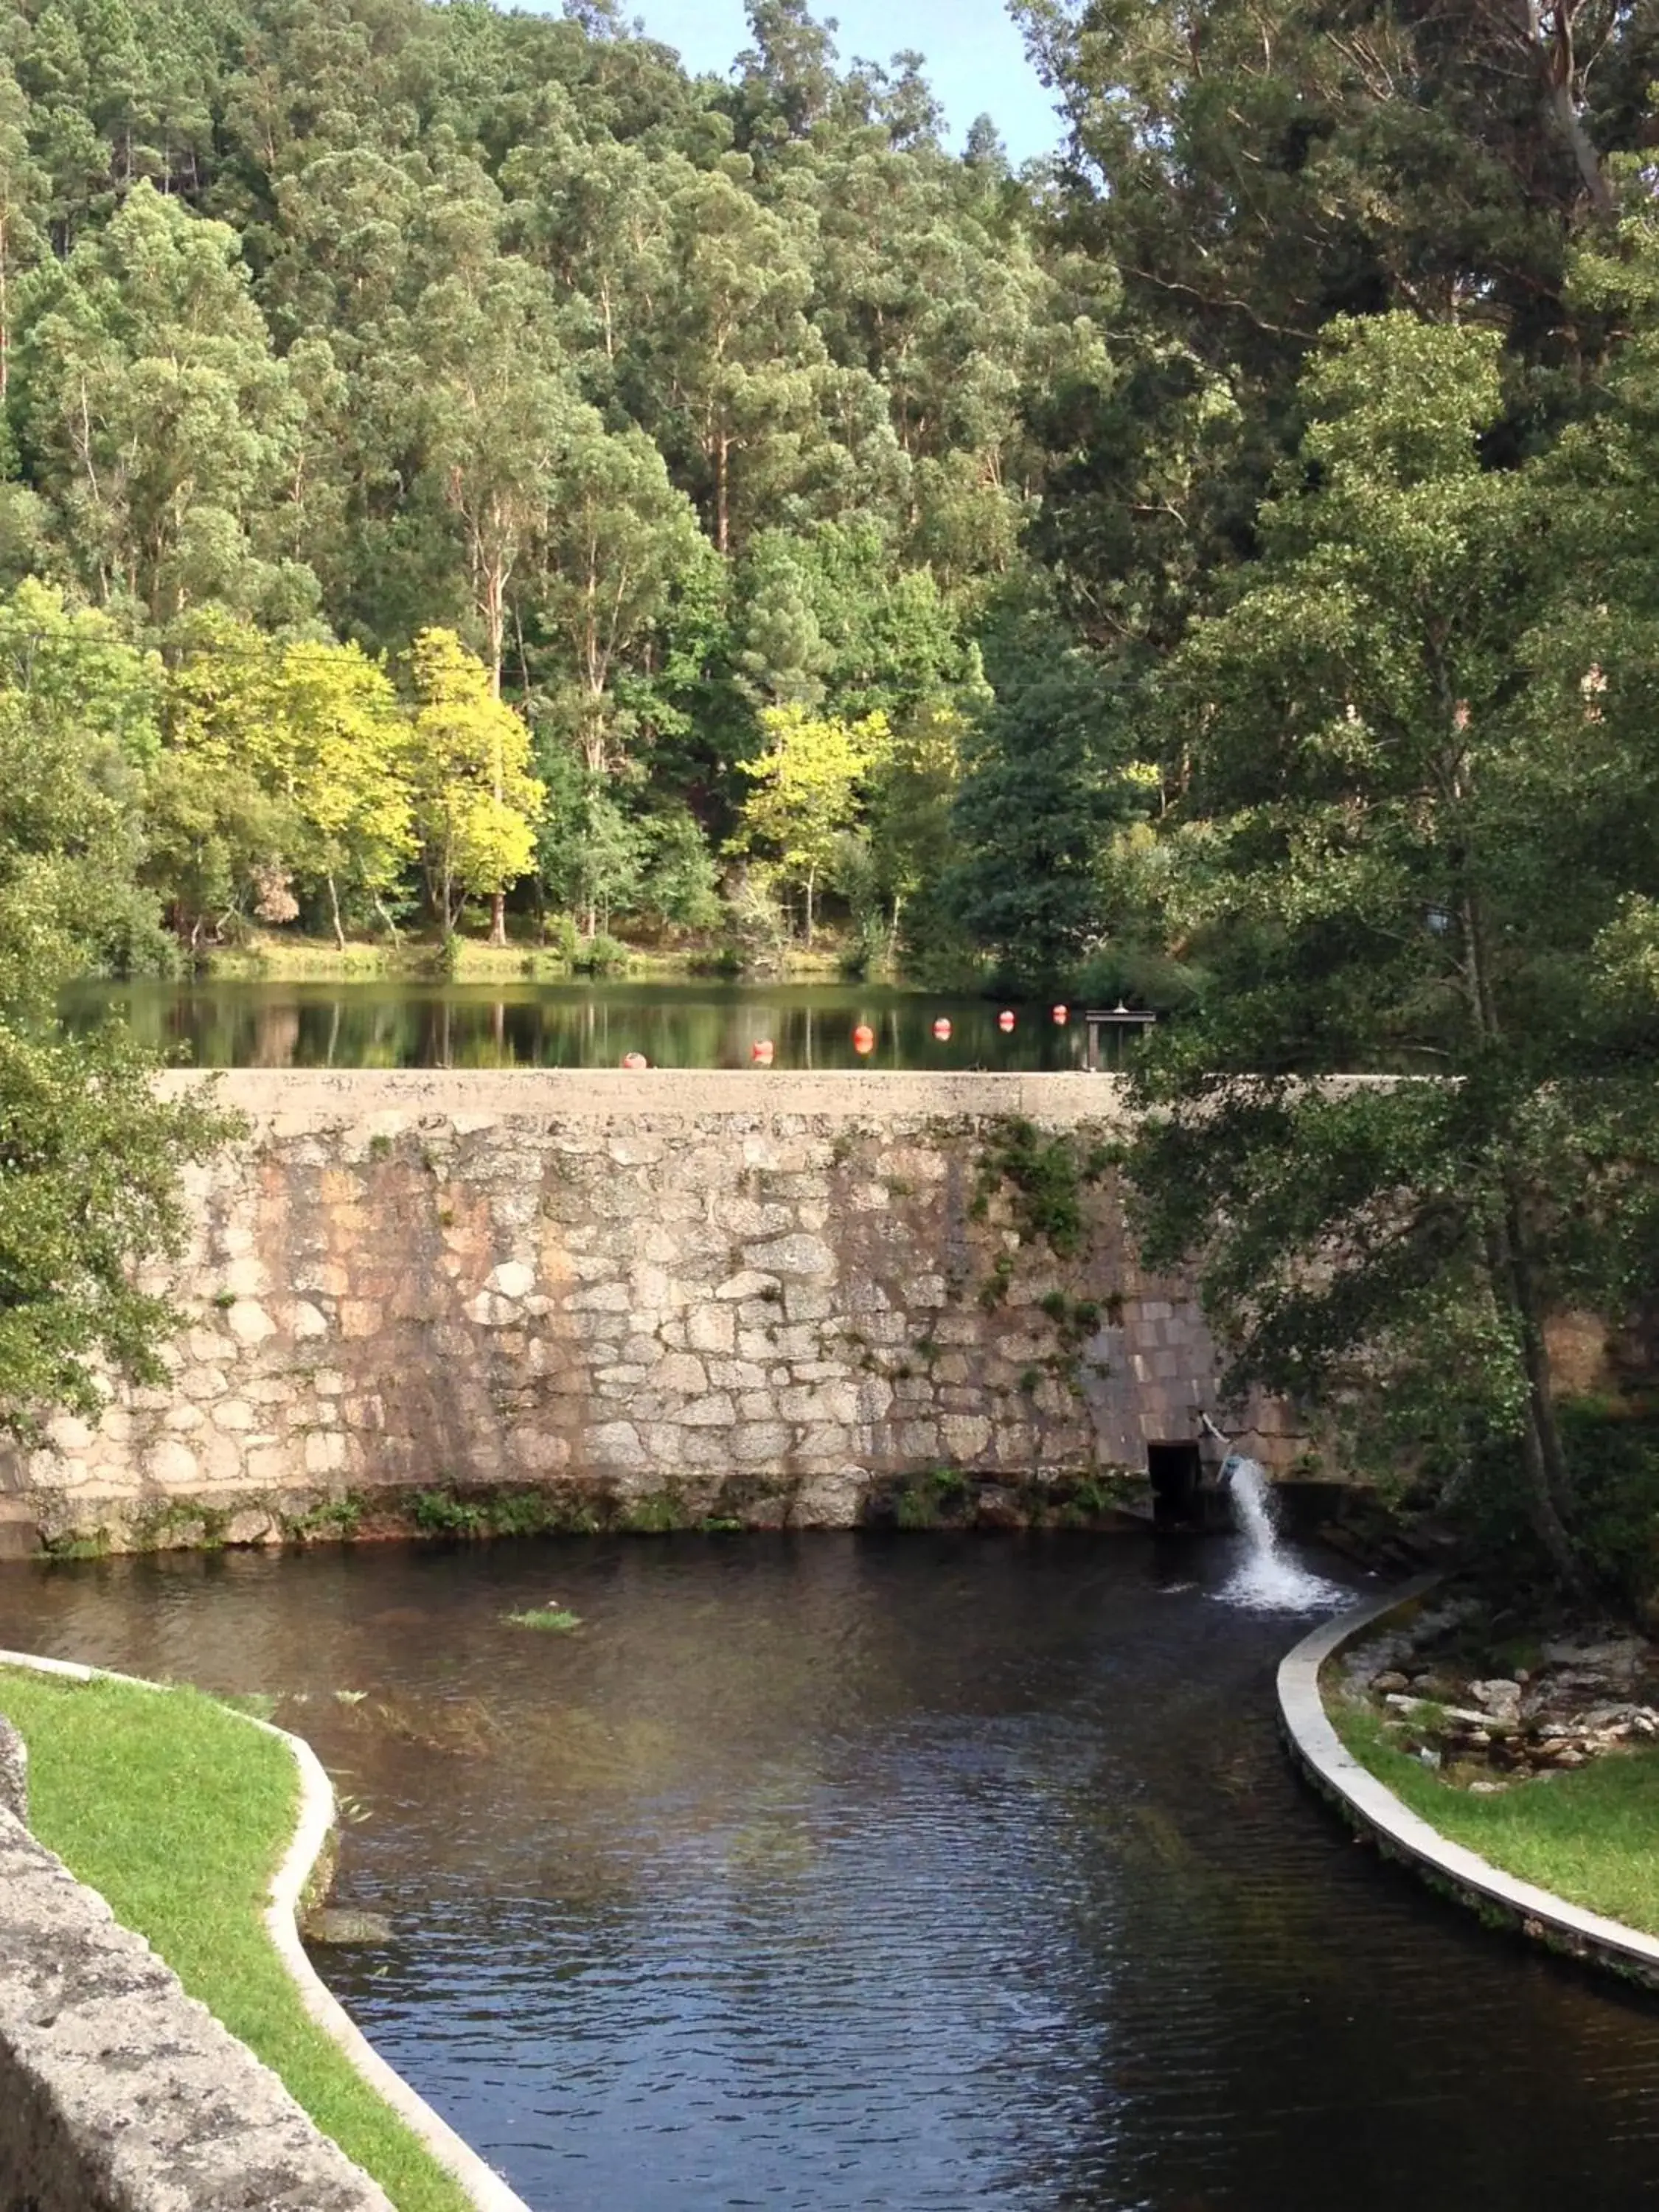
[(1401, 1834), (316, 1823)]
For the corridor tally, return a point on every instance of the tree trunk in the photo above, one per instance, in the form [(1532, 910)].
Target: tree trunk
[(390, 926), (1539, 1441), (495, 617), (1513, 1282), (811, 873), (1555, 58), (334, 910), (1541, 1391)]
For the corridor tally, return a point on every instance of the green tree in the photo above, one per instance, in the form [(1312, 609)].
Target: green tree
[(1051, 777), (499, 421), (1408, 772), (806, 791), (619, 543), (88, 1153), (73, 662), (735, 359), (912, 821), (161, 420), (22, 211)]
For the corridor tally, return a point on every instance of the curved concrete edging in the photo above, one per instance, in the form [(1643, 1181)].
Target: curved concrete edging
[(1401, 1834), (316, 1823)]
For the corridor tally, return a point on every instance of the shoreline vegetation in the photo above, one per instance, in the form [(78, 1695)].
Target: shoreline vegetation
[(166, 1802), (1558, 1786), (271, 956)]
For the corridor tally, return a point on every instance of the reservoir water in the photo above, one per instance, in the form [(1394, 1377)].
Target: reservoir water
[(930, 1872), (400, 1023)]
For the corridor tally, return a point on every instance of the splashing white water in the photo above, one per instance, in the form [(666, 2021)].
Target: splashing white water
[(1267, 1581)]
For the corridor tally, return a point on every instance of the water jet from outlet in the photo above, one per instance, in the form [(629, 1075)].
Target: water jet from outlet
[(1267, 1580)]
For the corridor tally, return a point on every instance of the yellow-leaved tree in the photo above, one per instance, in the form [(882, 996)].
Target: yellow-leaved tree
[(316, 731), (476, 801), (344, 744), (806, 791)]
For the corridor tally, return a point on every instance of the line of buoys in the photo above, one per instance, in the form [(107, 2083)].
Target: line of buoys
[(763, 1051)]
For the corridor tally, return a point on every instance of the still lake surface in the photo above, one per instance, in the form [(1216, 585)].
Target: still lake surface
[(407, 1023), (928, 1873)]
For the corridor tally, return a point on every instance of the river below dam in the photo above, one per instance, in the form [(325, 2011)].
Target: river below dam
[(922, 1872)]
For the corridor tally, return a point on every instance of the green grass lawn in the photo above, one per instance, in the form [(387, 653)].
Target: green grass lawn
[(178, 1812), (1590, 1835)]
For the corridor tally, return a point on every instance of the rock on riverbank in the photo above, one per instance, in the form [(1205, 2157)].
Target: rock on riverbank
[(1460, 1689)]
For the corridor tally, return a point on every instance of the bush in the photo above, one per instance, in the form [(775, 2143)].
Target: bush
[(761, 934), (680, 884), (561, 938), (1140, 974), (600, 955), (1611, 1448)]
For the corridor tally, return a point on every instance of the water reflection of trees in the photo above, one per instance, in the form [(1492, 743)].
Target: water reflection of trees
[(387, 1024)]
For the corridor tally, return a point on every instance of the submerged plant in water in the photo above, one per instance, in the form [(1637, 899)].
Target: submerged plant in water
[(553, 1616)]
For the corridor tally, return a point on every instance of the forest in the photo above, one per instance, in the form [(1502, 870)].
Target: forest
[(827, 510), (461, 473), (365, 367)]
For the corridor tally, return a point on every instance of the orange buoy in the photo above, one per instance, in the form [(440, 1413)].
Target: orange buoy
[(1061, 1015), (1006, 1020), (761, 1052), (635, 1060), (942, 1030), (864, 1040)]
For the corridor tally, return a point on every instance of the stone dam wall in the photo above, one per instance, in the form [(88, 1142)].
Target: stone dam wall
[(504, 1300)]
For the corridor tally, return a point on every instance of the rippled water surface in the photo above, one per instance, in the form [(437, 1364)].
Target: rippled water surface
[(921, 1873)]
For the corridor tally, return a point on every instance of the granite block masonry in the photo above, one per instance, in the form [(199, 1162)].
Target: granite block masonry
[(762, 1296), (120, 2093)]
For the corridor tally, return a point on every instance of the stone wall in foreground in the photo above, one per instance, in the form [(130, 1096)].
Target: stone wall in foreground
[(120, 2093), (762, 1297)]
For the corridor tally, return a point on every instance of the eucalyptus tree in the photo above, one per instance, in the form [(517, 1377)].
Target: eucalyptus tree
[(499, 421), (592, 211), (733, 358), (617, 542), (1051, 776), (23, 212), (158, 418)]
